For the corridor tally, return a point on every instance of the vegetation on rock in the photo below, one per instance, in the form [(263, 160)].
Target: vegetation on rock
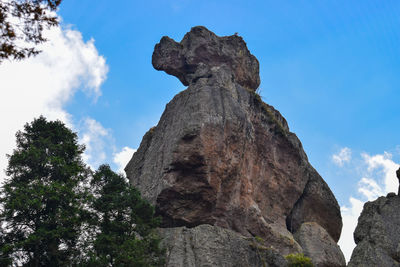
[(298, 260)]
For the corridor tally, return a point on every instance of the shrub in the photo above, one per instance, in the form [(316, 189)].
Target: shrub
[(298, 260), (259, 239)]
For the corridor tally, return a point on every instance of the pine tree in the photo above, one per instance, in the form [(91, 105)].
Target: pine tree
[(42, 199), (124, 224)]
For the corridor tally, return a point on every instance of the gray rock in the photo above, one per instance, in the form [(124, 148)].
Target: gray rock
[(378, 234), (315, 205), (221, 156), (201, 54), (319, 246), (207, 245)]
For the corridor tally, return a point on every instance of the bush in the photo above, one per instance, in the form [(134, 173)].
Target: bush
[(259, 240), (298, 260)]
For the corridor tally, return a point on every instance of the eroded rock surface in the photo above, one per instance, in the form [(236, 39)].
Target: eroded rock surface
[(378, 234), (310, 208), (319, 246), (202, 54), (221, 156), (207, 245)]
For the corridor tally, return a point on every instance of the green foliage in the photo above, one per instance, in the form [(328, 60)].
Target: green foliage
[(42, 210), (259, 239), (298, 260), (24, 20), (124, 224), (269, 112), (55, 212)]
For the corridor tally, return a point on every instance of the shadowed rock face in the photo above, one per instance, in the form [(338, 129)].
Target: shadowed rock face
[(377, 234), (221, 156)]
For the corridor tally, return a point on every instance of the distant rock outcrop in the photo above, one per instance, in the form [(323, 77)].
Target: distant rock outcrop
[(378, 234), (221, 156)]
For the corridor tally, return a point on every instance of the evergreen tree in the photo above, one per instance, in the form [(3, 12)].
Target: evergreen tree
[(42, 197), (124, 224)]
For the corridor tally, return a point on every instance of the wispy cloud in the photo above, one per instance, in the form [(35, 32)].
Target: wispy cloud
[(384, 167), (44, 84), (97, 140), (343, 156), (122, 158), (369, 188)]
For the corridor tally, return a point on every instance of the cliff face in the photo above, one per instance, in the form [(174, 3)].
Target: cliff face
[(377, 234), (221, 156)]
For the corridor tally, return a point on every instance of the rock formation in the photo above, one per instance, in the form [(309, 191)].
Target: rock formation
[(377, 234), (221, 156), (192, 247), (319, 246)]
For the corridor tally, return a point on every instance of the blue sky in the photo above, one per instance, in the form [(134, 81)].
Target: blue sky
[(330, 67)]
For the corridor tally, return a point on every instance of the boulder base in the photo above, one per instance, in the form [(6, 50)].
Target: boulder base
[(207, 245), (319, 246)]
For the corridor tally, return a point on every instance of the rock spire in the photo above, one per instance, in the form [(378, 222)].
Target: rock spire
[(220, 156)]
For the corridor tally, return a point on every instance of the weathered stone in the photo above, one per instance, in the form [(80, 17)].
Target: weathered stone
[(221, 156), (207, 245), (319, 246), (201, 54), (315, 205), (378, 234)]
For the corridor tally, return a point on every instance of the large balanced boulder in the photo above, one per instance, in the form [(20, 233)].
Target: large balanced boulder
[(378, 234), (201, 52), (221, 156)]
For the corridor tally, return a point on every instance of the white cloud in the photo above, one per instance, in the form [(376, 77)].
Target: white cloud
[(342, 157), (44, 84), (350, 218), (122, 158), (378, 180), (369, 188), (97, 140), (383, 166)]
